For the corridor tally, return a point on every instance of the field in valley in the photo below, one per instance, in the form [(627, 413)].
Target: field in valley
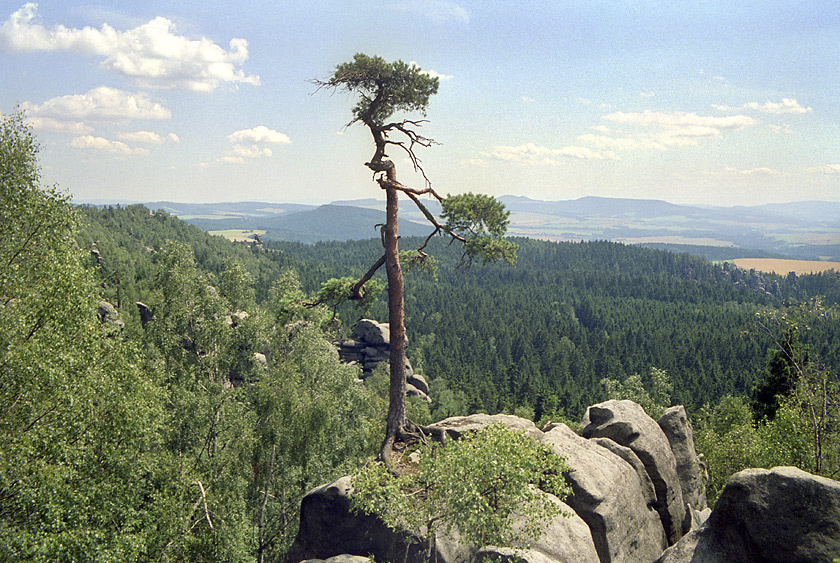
[(777, 266), (238, 235)]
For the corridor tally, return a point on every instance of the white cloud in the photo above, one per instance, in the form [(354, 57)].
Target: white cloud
[(530, 154), (827, 169), (102, 103), (436, 10), (102, 144), (259, 134), (601, 128), (432, 73), (667, 129), (682, 120), (787, 105), (58, 125), (621, 143), (649, 94), (152, 54), (148, 137), (247, 144), (760, 171), (249, 151)]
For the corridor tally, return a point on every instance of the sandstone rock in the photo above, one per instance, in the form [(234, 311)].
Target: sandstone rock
[(674, 422), (328, 529), (343, 558), (781, 515), (457, 425), (608, 496), (626, 423), (419, 382), (109, 316), (372, 332), (412, 391), (627, 455), (145, 313)]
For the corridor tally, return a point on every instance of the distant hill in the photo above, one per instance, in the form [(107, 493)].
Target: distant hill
[(807, 230), (319, 224)]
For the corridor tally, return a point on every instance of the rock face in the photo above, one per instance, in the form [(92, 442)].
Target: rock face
[(781, 515), (109, 316), (455, 426), (328, 529), (370, 346), (674, 423), (626, 423), (563, 539), (608, 496)]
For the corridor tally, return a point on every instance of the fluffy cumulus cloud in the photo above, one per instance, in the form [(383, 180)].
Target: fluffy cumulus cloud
[(55, 125), (147, 137), (259, 134), (661, 130), (786, 106), (531, 154), (100, 104), (153, 54), (106, 145), (250, 143)]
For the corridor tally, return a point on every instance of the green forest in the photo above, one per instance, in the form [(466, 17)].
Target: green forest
[(168, 395)]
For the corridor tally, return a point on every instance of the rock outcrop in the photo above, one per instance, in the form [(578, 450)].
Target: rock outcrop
[(370, 346), (328, 528), (626, 423), (629, 468), (781, 515), (608, 495), (691, 472)]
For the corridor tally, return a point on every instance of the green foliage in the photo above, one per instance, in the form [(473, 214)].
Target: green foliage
[(473, 485), (414, 260), (79, 443), (336, 291), (482, 221), (654, 398), (395, 86)]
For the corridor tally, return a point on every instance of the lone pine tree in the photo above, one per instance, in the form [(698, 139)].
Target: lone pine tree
[(477, 221)]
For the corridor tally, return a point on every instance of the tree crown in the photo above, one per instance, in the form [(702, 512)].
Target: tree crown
[(384, 88)]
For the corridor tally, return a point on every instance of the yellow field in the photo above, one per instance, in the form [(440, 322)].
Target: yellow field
[(237, 235), (775, 266)]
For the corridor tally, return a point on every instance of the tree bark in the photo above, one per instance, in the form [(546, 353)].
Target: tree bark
[(396, 419)]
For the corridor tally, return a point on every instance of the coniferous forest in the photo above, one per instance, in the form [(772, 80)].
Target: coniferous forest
[(168, 395)]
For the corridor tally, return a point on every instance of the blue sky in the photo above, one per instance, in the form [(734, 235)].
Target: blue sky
[(706, 102)]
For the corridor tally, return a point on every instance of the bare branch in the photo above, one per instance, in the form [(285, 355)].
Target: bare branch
[(357, 288)]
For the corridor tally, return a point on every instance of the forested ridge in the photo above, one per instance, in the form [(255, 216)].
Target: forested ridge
[(543, 333), (571, 314)]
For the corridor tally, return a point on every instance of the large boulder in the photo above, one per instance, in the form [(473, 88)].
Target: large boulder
[(455, 426), (329, 528), (674, 423), (372, 333), (781, 515), (630, 457), (609, 496), (626, 423)]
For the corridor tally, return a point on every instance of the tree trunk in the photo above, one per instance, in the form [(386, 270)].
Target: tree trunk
[(396, 420)]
